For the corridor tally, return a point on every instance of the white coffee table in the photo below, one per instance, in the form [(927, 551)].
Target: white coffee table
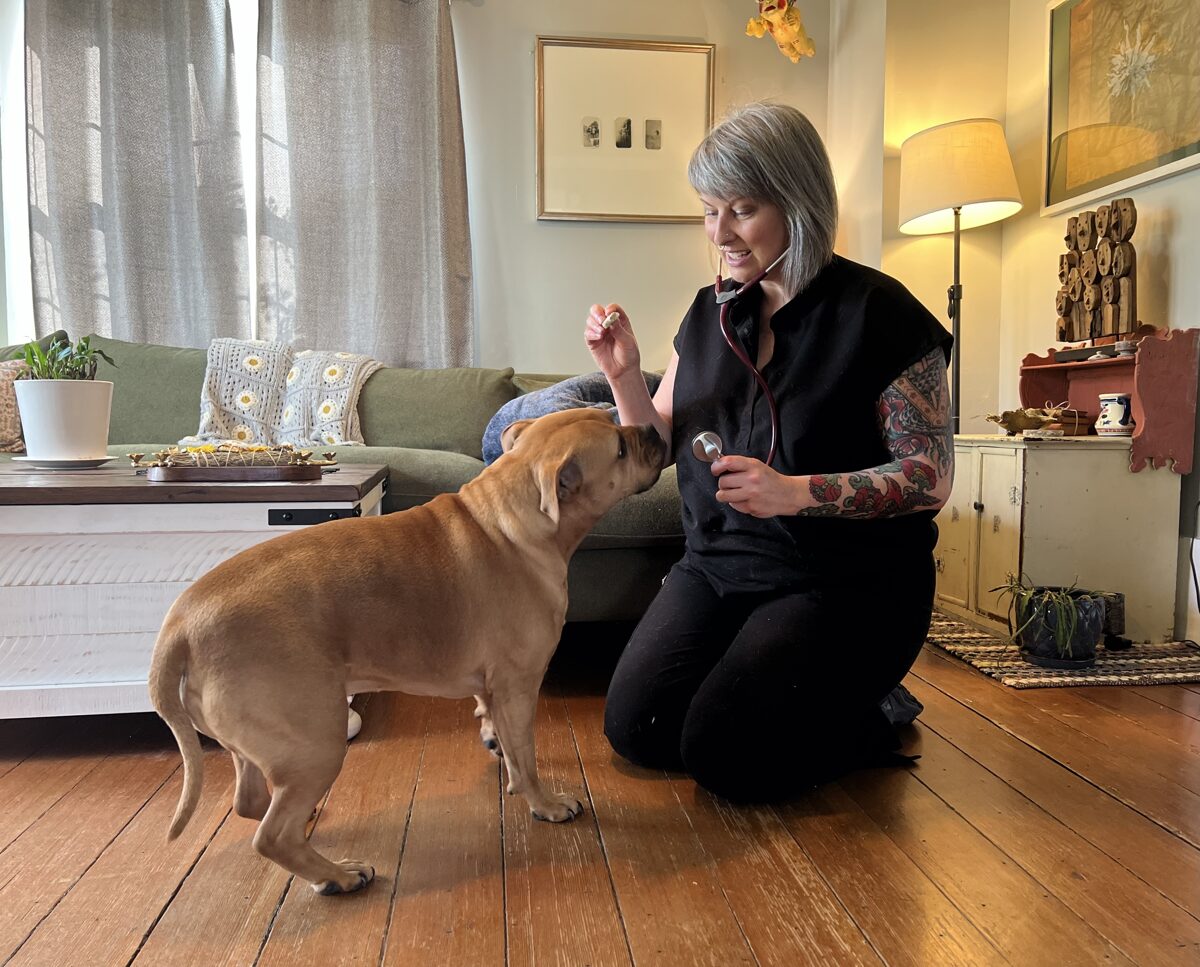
[(90, 561)]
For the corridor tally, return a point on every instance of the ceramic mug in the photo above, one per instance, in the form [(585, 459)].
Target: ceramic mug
[(1116, 415)]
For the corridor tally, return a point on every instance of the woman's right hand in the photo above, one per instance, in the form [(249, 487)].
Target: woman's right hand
[(615, 349)]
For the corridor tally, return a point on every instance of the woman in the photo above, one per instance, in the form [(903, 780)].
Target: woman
[(806, 588)]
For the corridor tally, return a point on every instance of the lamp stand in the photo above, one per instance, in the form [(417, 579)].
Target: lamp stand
[(954, 311)]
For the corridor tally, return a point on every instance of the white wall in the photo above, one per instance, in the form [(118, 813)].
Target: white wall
[(534, 281), (1167, 240), (947, 60), (857, 30)]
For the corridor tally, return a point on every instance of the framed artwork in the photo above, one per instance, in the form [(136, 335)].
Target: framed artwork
[(1123, 97), (617, 121)]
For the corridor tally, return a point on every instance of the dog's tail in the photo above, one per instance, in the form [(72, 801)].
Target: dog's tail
[(167, 670)]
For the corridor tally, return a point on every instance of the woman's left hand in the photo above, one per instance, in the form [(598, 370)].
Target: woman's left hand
[(749, 486)]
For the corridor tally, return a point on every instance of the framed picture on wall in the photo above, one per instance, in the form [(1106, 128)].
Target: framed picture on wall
[(1123, 97), (617, 121)]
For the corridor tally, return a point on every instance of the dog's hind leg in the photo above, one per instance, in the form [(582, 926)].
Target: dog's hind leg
[(487, 730), (251, 798), (281, 835), (514, 716)]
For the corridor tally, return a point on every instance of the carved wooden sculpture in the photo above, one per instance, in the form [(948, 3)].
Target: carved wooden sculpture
[(1098, 274)]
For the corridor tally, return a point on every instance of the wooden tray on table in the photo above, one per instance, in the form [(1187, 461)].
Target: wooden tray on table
[(294, 471)]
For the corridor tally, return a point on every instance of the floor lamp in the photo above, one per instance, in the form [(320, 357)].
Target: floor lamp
[(953, 177)]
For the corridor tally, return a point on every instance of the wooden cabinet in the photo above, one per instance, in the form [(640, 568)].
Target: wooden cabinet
[(1061, 511)]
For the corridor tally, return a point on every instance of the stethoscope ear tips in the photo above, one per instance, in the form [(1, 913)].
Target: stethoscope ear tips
[(706, 446)]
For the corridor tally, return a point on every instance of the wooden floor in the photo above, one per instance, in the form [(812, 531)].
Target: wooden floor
[(1046, 826)]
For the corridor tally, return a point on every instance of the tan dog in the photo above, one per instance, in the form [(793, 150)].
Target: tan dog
[(465, 595)]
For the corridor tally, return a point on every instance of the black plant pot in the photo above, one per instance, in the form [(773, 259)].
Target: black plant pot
[(1037, 637)]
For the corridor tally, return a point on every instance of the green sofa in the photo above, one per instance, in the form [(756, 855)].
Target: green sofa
[(426, 425)]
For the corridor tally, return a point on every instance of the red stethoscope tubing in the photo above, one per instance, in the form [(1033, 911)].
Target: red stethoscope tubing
[(741, 353)]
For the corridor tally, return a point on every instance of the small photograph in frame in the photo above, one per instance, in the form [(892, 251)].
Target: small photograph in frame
[(591, 132), (1123, 102), (624, 133), (634, 91)]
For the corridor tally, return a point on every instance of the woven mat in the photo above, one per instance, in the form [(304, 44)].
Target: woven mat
[(1171, 663)]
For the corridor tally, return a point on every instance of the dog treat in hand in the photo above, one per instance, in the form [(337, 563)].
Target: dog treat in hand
[(611, 320)]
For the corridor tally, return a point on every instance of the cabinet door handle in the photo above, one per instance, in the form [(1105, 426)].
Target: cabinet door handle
[(978, 506)]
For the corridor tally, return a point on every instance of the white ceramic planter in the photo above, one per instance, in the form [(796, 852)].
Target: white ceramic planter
[(64, 419)]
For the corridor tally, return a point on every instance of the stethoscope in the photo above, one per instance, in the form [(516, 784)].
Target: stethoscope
[(706, 445)]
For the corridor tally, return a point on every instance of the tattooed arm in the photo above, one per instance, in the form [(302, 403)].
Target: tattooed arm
[(914, 416)]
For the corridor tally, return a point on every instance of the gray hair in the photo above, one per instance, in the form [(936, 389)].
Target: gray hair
[(771, 152)]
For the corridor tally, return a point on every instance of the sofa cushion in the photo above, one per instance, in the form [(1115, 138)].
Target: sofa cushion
[(650, 519), (414, 476), (156, 390), (529, 382), (433, 409), (17, 351)]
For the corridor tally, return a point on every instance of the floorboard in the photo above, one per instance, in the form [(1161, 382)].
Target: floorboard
[(114, 902), (670, 899), (558, 892), (906, 918), (48, 763), (19, 739), (225, 902), (925, 819), (1047, 826), (365, 818), (784, 907), (1123, 775), (1173, 697), (1116, 732), (1150, 715), (42, 866), (449, 900), (1146, 849)]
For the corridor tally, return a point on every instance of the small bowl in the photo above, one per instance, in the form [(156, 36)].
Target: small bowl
[(1125, 347)]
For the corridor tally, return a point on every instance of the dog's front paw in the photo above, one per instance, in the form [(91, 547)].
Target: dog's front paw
[(355, 877), (559, 808)]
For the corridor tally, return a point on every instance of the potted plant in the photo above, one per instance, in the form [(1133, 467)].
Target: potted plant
[(64, 408), (1054, 627)]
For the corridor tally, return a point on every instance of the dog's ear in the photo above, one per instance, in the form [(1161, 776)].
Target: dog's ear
[(558, 483), (508, 436)]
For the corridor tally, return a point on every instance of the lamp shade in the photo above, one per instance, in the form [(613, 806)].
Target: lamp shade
[(963, 164)]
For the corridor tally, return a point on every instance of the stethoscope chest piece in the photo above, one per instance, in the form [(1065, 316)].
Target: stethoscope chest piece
[(706, 446)]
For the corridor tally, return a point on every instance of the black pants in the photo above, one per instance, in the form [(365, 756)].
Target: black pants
[(761, 696)]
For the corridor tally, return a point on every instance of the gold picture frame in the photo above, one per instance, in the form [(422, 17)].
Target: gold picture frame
[(1120, 107), (617, 121)]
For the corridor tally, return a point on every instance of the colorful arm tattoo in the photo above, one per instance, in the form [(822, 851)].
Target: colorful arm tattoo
[(914, 417)]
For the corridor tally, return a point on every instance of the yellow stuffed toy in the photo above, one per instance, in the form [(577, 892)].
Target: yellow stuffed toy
[(781, 19)]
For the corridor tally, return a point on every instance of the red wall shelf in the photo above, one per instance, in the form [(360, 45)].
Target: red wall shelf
[(1161, 380)]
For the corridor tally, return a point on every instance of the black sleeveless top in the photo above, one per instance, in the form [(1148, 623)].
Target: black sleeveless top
[(838, 345)]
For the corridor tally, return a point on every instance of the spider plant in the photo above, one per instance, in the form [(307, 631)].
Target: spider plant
[(1056, 609), (62, 360)]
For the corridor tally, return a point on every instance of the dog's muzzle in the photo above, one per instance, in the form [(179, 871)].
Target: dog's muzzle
[(653, 445)]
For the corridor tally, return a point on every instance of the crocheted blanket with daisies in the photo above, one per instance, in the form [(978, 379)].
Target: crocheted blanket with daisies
[(266, 393)]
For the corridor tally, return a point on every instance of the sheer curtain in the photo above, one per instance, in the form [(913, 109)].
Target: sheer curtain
[(363, 243), (136, 205)]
